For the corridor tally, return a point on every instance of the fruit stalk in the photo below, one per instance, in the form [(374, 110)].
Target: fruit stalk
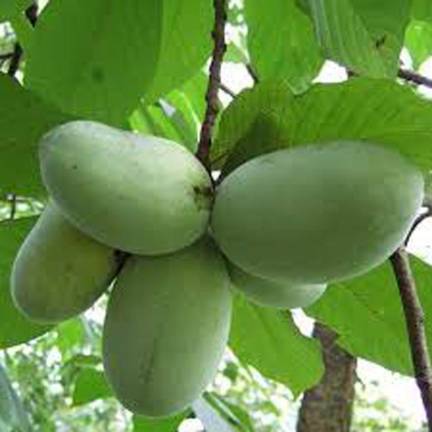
[(414, 317), (212, 109)]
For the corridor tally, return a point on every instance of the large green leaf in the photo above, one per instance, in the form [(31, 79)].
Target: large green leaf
[(185, 44), (268, 340), (282, 42), (94, 58), (113, 53), (14, 328), (170, 424), (422, 10), (23, 120), (418, 40), (364, 35), (367, 314), (379, 111), (11, 8), (12, 414)]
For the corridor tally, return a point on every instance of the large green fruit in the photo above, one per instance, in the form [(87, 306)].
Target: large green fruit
[(317, 213), (281, 295), (59, 272), (143, 195), (166, 328)]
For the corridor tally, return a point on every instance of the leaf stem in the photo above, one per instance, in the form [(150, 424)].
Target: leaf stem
[(414, 318), (212, 109)]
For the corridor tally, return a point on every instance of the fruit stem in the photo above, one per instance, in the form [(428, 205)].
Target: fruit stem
[(212, 101), (414, 318)]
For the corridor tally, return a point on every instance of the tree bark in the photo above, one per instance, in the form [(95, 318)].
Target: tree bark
[(328, 406)]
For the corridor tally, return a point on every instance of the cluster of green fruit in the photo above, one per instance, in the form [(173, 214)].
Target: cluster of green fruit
[(279, 228)]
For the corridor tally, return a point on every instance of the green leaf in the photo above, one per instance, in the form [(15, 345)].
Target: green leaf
[(177, 116), (12, 414), (14, 328), (282, 43), (367, 314), (185, 44), (270, 117), (259, 120), (418, 40), (366, 36), (113, 53), (94, 58), (11, 8), (422, 10), (90, 385), (169, 424), (268, 340), (23, 120), (70, 336)]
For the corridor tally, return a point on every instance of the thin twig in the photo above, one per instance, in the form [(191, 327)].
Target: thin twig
[(414, 77), (227, 90), (427, 214), (414, 317), (13, 206), (252, 73), (212, 110), (15, 60), (6, 56), (31, 14)]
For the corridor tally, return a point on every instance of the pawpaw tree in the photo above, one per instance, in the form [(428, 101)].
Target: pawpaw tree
[(179, 180)]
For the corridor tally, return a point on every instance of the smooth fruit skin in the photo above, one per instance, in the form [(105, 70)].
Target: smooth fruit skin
[(143, 195), (317, 213), (59, 272), (166, 328), (279, 295)]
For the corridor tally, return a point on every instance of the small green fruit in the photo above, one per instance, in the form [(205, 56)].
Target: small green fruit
[(318, 213), (143, 195), (265, 292), (59, 272), (166, 328)]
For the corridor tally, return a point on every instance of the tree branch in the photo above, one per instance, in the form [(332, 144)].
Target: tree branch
[(212, 110), (414, 77), (414, 318)]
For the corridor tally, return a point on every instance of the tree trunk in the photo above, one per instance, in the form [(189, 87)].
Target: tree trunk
[(328, 406)]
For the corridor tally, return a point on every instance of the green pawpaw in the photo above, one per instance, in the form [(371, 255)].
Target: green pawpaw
[(166, 328), (143, 195), (59, 272), (265, 292), (317, 213)]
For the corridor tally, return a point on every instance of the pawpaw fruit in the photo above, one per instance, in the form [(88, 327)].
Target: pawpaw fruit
[(166, 328), (280, 295), (59, 272), (140, 194), (317, 213)]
